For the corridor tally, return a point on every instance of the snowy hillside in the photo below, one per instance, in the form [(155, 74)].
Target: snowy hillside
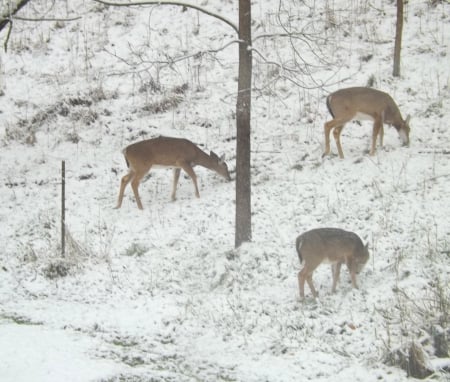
[(160, 294)]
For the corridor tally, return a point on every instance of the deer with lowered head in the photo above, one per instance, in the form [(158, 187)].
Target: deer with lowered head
[(360, 103), (329, 245), (167, 152)]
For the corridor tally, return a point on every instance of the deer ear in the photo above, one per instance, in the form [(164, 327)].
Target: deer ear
[(213, 155), (222, 158), (407, 119)]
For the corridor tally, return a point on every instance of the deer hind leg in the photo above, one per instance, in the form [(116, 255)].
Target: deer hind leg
[(337, 137), (123, 183), (135, 186), (335, 270), (327, 130), (337, 125), (189, 170), (306, 275), (176, 176), (377, 129), (311, 285), (301, 283)]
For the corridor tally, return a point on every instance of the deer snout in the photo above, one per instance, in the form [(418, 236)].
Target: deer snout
[(227, 175), (404, 136)]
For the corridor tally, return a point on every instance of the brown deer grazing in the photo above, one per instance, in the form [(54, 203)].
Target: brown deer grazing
[(363, 103), (167, 152), (329, 245)]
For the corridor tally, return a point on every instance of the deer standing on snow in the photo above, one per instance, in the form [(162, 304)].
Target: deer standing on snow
[(329, 245), (363, 103), (167, 152)]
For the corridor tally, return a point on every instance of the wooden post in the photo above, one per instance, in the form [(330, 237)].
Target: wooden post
[(63, 208)]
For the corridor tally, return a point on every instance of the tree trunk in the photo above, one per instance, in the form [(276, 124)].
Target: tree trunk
[(398, 38), (243, 112)]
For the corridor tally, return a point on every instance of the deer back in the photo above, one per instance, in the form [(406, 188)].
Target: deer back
[(330, 245), (161, 151), (358, 102)]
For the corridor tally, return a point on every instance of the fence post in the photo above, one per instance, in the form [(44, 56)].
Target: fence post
[(63, 208)]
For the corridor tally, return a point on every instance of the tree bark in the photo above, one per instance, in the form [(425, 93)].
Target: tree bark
[(243, 114), (398, 39)]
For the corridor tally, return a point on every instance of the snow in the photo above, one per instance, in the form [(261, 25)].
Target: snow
[(160, 294), (32, 353)]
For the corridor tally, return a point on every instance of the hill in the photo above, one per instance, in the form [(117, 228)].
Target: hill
[(160, 294)]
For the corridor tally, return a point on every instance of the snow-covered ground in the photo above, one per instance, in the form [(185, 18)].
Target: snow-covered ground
[(160, 294)]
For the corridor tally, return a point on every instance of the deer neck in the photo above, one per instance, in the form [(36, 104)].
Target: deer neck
[(204, 160), (393, 117)]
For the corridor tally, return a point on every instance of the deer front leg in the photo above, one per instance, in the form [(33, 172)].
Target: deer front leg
[(352, 270), (176, 176), (381, 134), (335, 270), (377, 129), (189, 170)]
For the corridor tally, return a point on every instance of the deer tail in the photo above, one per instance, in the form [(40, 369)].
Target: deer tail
[(329, 106), (124, 152), (298, 244)]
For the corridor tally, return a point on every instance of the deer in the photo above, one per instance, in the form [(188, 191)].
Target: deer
[(359, 103), (329, 245), (167, 152)]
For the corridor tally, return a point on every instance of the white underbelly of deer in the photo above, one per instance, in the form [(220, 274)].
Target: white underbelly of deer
[(362, 117)]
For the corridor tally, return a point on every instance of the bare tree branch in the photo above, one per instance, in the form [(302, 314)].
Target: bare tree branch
[(63, 19), (5, 19), (176, 3), (169, 61)]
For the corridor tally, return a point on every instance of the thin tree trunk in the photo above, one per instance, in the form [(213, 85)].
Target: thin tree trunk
[(398, 38), (243, 114)]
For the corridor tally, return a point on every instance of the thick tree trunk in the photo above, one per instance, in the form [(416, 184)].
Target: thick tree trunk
[(243, 112)]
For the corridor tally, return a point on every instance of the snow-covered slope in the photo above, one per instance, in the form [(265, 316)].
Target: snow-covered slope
[(160, 294)]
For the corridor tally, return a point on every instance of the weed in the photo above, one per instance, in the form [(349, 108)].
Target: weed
[(165, 104), (56, 270), (136, 249)]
